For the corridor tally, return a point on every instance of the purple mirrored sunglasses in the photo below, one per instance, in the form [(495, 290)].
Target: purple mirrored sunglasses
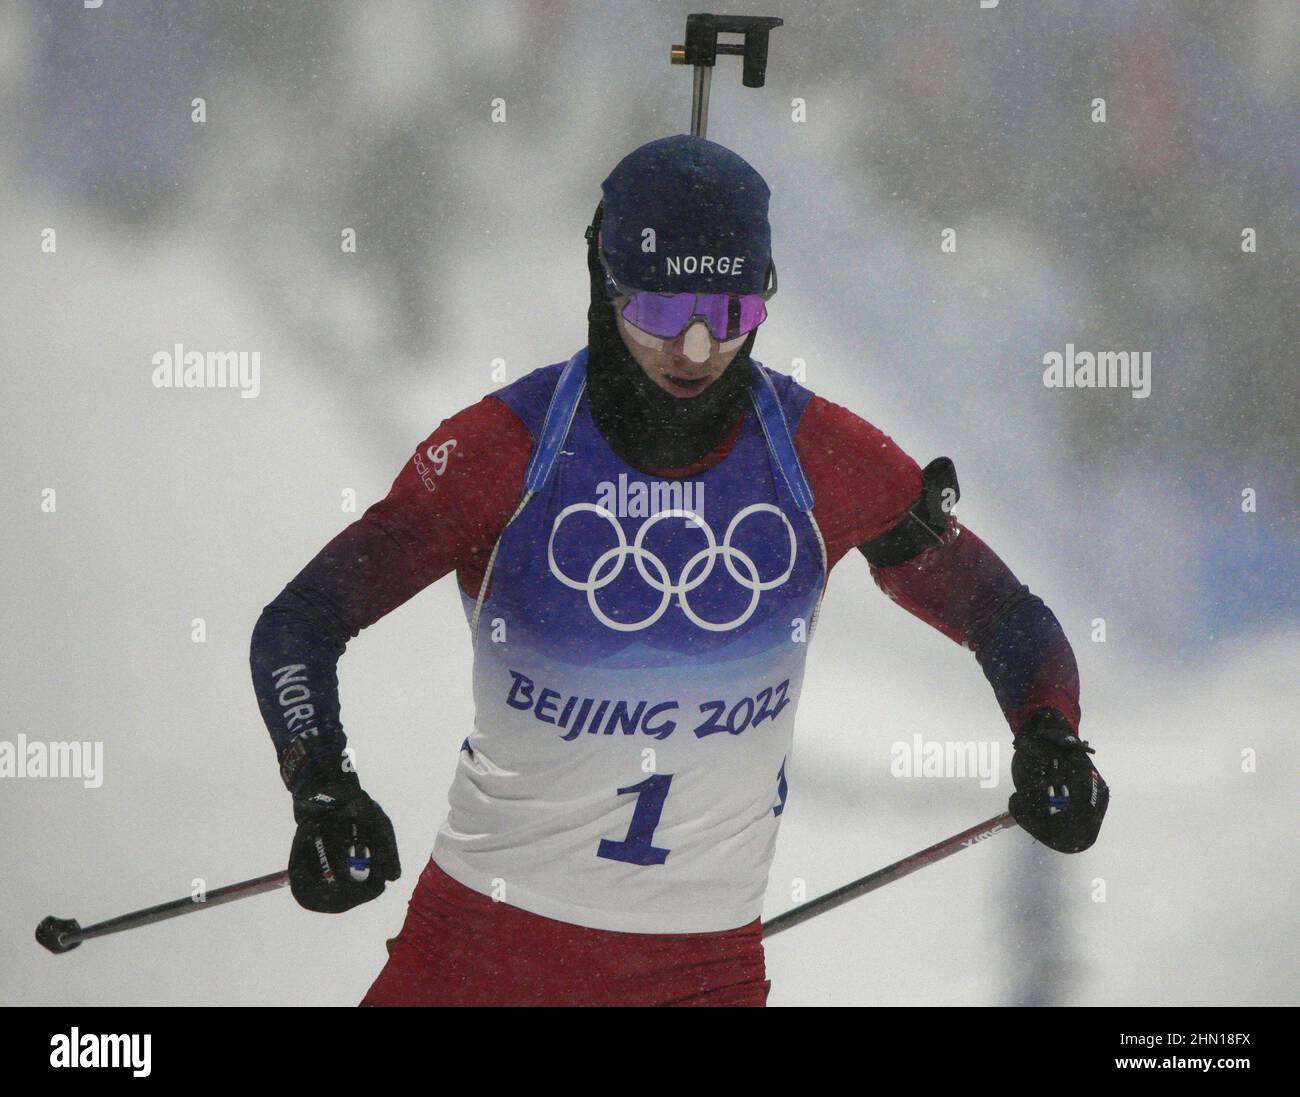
[(665, 315)]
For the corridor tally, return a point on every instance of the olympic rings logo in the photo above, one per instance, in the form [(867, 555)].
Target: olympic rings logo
[(609, 565)]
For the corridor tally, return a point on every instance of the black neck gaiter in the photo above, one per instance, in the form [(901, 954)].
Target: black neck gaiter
[(646, 426)]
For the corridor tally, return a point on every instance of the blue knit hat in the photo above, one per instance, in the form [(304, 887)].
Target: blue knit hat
[(685, 215)]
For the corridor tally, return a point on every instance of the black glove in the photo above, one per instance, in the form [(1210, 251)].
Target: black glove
[(1060, 797), (344, 850)]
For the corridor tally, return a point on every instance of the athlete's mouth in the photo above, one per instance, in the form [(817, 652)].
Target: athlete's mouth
[(687, 384)]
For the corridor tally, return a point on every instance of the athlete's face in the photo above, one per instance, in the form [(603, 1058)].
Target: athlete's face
[(684, 366)]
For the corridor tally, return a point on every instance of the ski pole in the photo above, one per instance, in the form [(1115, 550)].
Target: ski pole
[(702, 49), (889, 873), (64, 934)]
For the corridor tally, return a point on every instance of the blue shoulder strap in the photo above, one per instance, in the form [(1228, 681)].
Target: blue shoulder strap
[(559, 417), (776, 429)]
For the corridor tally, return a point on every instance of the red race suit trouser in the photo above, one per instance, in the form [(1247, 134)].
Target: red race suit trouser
[(460, 948)]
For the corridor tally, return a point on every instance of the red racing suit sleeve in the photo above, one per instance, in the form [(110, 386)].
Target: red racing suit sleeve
[(864, 485), (444, 512)]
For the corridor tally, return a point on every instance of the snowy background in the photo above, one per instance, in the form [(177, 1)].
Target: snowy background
[(174, 505)]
